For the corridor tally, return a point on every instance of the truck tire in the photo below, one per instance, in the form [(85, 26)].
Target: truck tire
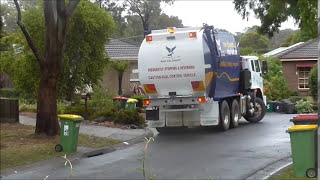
[(224, 116), (235, 114), (259, 112)]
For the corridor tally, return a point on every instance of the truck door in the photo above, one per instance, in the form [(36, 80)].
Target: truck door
[(256, 74)]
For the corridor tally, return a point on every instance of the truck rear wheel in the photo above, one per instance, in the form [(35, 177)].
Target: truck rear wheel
[(259, 111), (224, 116), (235, 114)]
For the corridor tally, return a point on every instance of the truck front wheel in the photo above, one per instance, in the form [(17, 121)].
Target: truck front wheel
[(259, 111), (224, 116)]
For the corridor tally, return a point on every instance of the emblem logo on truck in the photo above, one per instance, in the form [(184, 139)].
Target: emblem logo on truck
[(170, 50)]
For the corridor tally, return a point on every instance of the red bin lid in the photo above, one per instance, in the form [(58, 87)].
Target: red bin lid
[(120, 98), (306, 117)]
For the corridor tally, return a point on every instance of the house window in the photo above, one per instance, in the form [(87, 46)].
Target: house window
[(303, 77)]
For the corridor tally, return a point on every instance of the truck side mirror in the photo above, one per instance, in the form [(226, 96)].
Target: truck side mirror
[(264, 67)]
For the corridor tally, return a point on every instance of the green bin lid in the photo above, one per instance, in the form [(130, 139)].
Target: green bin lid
[(302, 128), (70, 117)]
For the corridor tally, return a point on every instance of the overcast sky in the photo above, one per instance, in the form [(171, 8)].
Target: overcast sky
[(220, 13)]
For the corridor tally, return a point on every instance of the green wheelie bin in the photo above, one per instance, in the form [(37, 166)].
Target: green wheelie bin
[(303, 146), (270, 106), (131, 103), (69, 132)]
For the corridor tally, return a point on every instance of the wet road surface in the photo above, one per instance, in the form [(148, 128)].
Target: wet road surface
[(196, 153)]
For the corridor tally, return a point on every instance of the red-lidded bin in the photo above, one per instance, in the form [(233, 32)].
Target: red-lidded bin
[(305, 119), (121, 100)]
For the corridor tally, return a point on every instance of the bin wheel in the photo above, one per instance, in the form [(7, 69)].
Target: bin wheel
[(58, 148), (311, 173)]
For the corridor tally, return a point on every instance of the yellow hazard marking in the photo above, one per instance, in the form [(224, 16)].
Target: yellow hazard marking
[(210, 75)]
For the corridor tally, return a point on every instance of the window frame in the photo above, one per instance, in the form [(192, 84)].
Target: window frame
[(252, 66), (257, 65), (304, 70)]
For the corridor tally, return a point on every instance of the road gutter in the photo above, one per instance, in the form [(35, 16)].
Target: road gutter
[(271, 169)]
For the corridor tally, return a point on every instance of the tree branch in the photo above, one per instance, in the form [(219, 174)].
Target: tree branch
[(61, 7), (27, 35), (135, 5), (71, 7)]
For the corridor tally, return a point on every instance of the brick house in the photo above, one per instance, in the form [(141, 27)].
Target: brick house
[(120, 49), (297, 62)]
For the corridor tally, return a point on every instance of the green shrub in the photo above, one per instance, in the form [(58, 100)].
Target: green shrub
[(295, 93), (313, 82), (315, 107), (139, 98), (127, 116), (108, 113), (28, 107), (8, 92), (61, 107), (303, 107), (77, 110), (295, 99), (275, 79), (100, 100)]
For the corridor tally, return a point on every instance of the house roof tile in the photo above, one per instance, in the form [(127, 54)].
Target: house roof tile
[(306, 50), (122, 49)]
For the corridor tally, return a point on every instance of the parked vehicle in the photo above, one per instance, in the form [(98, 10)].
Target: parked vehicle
[(196, 77)]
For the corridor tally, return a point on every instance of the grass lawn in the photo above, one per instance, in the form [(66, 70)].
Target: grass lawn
[(19, 145), (288, 174)]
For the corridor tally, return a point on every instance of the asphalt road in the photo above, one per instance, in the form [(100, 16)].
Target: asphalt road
[(197, 153)]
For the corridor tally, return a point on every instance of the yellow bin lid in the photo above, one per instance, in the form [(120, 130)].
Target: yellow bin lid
[(132, 100), (302, 128), (70, 116)]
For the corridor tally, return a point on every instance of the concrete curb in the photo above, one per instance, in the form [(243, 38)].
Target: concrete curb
[(57, 161), (271, 169), (148, 133)]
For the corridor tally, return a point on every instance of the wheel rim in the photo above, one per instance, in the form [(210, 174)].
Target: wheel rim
[(236, 116), (257, 110), (311, 173), (226, 119)]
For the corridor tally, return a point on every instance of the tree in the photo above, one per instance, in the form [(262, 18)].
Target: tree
[(134, 29), (255, 41), (116, 10), (120, 67), (164, 21), (84, 59), (275, 79), (57, 15), (8, 14), (280, 37), (145, 9), (295, 38), (313, 82), (272, 13)]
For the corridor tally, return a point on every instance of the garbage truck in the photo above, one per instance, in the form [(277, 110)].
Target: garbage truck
[(196, 77)]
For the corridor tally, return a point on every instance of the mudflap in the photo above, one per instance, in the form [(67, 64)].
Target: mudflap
[(209, 115), (160, 121), (191, 118), (174, 119)]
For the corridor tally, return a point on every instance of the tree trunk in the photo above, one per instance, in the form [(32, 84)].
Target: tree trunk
[(47, 120), (120, 83)]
